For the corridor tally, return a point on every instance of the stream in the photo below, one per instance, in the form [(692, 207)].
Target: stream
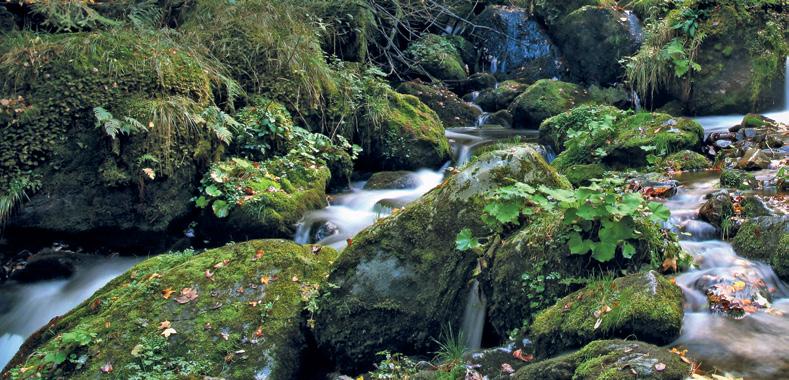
[(756, 346)]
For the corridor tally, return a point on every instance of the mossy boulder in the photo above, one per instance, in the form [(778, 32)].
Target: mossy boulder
[(438, 57), (742, 60), (109, 126), (552, 11), (475, 82), (392, 180), (231, 312), (408, 136), (350, 27), (402, 279), (247, 200), (515, 44), (452, 110), (543, 99), (500, 97), (625, 140), (686, 160), (534, 268), (718, 207), (610, 360), (594, 39), (553, 131), (582, 174), (738, 179), (643, 305), (766, 238)]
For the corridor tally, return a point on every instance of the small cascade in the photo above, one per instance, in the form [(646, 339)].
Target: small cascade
[(474, 317), (636, 100), (482, 119), (634, 27)]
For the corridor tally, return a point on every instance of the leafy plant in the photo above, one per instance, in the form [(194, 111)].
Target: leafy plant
[(113, 127), (602, 221), (451, 347), (70, 343), (394, 366), (675, 52)]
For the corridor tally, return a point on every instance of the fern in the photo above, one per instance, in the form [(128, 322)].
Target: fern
[(13, 196), (113, 127)]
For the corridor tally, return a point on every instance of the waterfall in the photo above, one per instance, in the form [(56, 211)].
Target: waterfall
[(786, 85), (474, 317)]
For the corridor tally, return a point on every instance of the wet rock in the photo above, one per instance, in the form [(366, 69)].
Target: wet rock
[(717, 208), (475, 82), (754, 159), (47, 264), (593, 40), (236, 312), (502, 118), (766, 238), (644, 305), (325, 230), (492, 100), (402, 278), (653, 185), (452, 111), (753, 206), (392, 180), (686, 160), (515, 45), (544, 99), (609, 359)]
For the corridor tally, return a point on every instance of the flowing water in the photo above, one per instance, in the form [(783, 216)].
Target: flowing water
[(24, 308)]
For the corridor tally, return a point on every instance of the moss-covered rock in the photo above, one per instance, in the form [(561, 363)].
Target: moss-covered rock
[(626, 140), (392, 180), (717, 208), (402, 279), (552, 11), (475, 82), (544, 99), (500, 97), (438, 57), (109, 125), (766, 239), (594, 39), (452, 111), (553, 131), (350, 27), (410, 136), (686, 160), (534, 268), (582, 174), (232, 312), (738, 179), (644, 305), (609, 360), (247, 200)]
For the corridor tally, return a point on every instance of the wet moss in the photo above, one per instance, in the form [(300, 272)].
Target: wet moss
[(686, 160), (582, 174), (438, 57), (500, 97), (766, 239), (543, 99), (738, 179), (239, 326), (452, 111), (609, 360), (643, 305)]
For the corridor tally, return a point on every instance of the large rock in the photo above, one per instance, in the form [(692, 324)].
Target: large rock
[(234, 312), (410, 136), (717, 208), (766, 238), (500, 97), (544, 99), (392, 180), (515, 44), (402, 279), (438, 57), (738, 179), (551, 12), (645, 306), (92, 175), (593, 40), (619, 139), (610, 359), (754, 159), (452, 111)]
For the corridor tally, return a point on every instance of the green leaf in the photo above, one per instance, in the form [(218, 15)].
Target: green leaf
[(588, 212), (603, 251), (213, 191), (465, 240), (579, 245), (504, 212), (56, 357), (660, 213), (201, 202), (628, 250), (221, 208)]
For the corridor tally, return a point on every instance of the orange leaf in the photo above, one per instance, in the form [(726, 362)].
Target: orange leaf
[(166, 293), (187, 294), (518, 354)]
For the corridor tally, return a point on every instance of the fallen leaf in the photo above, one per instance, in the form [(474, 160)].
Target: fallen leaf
[(739, 285), (259, 331), (187, 294), (95, 304), (166, 293), (224, 335), (518, 354), (137, 350), (295, 279), (169, 331), (669, 263), (598, 323), (209, 275), (107, 324), (265, 280), (316, 249), (506, 368), (660, 367), (106, 368), (221, 264), (154, 275), (163, 325), (258, 254)]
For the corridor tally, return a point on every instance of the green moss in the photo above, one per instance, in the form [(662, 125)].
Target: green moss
[(686, 160), (238, 326), (581, 174), (438, 57), (452, 111), (411, 136), (738, 179), (609, 360), (766, 238), (645, 305), (501, 96), (553, 131), (543, 99), (553, 11), (398, 280)]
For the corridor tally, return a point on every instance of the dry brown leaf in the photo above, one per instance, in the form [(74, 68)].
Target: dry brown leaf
[(169, 331), (167, 293), (187, 295)]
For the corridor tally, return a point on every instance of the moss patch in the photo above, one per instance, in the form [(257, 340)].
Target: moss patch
[(245, 320), (766, 238), (439, 57)]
